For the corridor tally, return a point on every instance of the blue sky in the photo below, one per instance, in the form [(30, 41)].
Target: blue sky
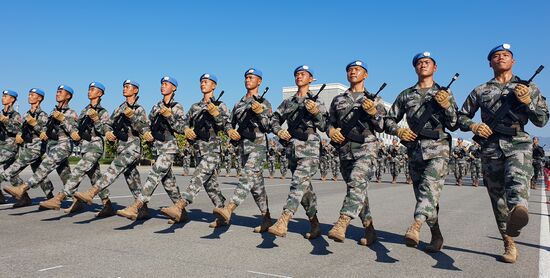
[(45, 43)]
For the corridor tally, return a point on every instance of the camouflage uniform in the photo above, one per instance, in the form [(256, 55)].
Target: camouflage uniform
[(459, 154), (335, 162), (380, 156), (428, 158), (237, 157), (8, 147), (506, 160), (186, 160), (324, 161), (227, 157), (283, 162), (271, 157), (394, 153), (538, 155), (474, 152)]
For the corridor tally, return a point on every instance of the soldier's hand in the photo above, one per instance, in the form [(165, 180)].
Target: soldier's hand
[(128, 112), (147, 136), (92, 113), (59, 116), (481, 130), (312, 107), (406, 134), (257, 107), (190, 134), (110, 136), (336, 135), (369, 107), (443, 98), (283, 134), (43, 136), (166, 112), (213, 109), (4, 119), (75, 136), (234, 135), (31, 120), (19, 139), (523, 94)]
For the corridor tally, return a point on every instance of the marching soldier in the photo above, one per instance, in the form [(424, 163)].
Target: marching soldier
[(474, 152), (394, 152), (10, 125), (459, 155), (380, 156), (334, 162), (186, 159), (283, 162), (538, 155), (271, 157), (324, 159)]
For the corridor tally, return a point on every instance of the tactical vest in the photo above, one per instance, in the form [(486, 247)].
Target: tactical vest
[(86, 127), (160, 128), (122, 126), (53, 127), (4, 133)]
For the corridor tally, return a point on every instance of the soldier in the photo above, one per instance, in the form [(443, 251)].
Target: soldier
[(474, 152), (92, 124), (305, 115), (166, 118), (61, 126), (459, 155), (271, 156), (227, 158), (186, 159), (405, 165), (354, 117), (237, 157), (201, 125), (324, 159), (283, 162), (127, 122), (10, 125), (250, 121), (394, 151), (429, 149), (380, 156), (506, 151), (538, 155)]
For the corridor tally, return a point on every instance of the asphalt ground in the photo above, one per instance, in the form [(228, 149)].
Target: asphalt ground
[(37, 243)]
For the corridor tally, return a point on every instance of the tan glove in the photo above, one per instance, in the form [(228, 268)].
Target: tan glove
[(59, 116), (166, 112), (31, 121), (75, 136), (234, 135), (190, 134), (312, 107), (257, 107), (443, 98), (369, 107), (4, 119), (406, 134), (283, 134), (43, 136), (19, 139), (147, 136), (523, 94), (128, 112), (92, 113), (336, 135), (110, 136), (213, 109), (481, 130)]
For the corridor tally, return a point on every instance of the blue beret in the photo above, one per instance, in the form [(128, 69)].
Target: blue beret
[(66, 88), (419, 56), (37, 91), (303, 68), (97, 85), (501, 47), (254, 71), (358, 63), (10, 92), (131, 82), (209, 76), (170, 80)]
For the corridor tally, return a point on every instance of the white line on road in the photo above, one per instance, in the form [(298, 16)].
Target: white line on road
[(544, 255), (50, 268), (268, 274)]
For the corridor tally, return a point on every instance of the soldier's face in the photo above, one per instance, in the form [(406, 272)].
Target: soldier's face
[(535, 140), (167, 88), (502, 61), (7, 99), (62, 95), (303, 78), (425, 67), (356, 74), (394, 142), (34, 98), (207, 86), (252, 82), (459, 142), (129, 90), (94, 93)]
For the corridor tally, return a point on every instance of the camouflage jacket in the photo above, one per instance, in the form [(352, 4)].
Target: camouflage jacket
[(174, 123), (99, 128), (410, 103), (395, 152), (67, 126), (484, 97), (474, 152), (34, 132), (365, 125), (459, 153), (302, 149), (259, 123), (198, 117), (10, 129), (139, 124)]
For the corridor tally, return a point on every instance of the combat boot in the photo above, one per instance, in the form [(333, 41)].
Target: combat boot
[(131, 211), (107, 209), (17, 191), (2, 198), (225, 212), (266, 223), (518, 218), (177, 211), (217, 223), (511, 254), (282, 177), (412, 237), (409, 181), (378, 180), (143, 212), (393, 180), (338, 232), (75, 206), (281, 226), (89, 195), (49, 195), (436, 243), (315, 230), (53, 203), (335, 178), (23, 202), (370, 233)]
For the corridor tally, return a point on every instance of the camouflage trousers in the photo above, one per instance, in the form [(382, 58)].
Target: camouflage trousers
[(227, 164), (537, 171), (475, 169), (124, 163), (335, 165), (252, 181), (271, 167), (301, 190), (88, 165), (27, 156), (283, 166), (357, 173), (394, 169), (161, 172), (185, 165), (428, 177), (406, 169), (379, 168), (205, 175), (324, 166), (56, 157), (7, 158), (460, 170), (238, 163), (507, 180)]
